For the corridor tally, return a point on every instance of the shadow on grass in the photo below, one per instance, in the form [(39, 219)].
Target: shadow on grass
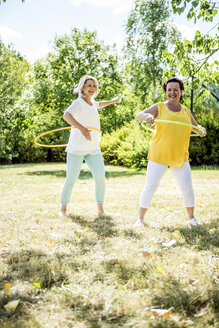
[(95, 315), (202, 237), (27, 267), (36, 266), (184, 300), (84, 174), (21, 316), (102, 225), (123, 272), (129, 233)]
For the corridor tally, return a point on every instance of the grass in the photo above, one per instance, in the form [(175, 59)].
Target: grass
[(86, 271)]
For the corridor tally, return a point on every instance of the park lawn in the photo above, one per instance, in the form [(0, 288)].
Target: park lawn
[(89, 271)]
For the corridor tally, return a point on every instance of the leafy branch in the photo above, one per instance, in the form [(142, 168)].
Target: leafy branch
[(198, 9)]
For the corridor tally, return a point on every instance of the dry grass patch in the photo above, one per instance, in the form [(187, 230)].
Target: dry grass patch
[(86, 271)]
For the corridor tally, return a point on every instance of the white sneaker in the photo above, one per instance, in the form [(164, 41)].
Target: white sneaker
[(104, 214), (194, 222), (138, 223), (62, 213)]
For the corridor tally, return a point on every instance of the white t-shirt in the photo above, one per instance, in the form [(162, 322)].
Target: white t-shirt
[(86, 115)]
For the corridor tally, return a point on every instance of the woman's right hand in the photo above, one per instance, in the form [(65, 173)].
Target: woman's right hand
[(201, 133), (149, 118), (86, 133)]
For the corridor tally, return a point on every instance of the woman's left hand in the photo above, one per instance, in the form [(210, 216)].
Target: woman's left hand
[(116, 99)]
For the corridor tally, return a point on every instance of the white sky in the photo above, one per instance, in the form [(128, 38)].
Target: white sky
[(31, 26)]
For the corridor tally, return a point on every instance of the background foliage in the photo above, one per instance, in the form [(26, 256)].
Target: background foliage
[(149, 32), (33, 99)]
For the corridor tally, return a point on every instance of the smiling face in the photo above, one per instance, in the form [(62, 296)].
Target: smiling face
[(89, 88), (173, 92)]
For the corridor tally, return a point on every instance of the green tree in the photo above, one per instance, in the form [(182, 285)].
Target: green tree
[(149, 33), (191, 59), (50, 91), (12, 83), (75, 55), (195, 59), (197, 9)]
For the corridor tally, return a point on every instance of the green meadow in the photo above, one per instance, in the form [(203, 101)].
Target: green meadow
[(89, 271)]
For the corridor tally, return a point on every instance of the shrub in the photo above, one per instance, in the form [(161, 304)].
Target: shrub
[(128, 146), (205, 150)]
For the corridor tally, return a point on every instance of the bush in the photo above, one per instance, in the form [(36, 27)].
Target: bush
[(205, 150), (128, 146)]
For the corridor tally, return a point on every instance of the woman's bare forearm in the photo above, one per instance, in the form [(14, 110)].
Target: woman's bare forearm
[(147, 113), (72, 121)]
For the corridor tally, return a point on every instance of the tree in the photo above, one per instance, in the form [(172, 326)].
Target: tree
[(195, 61), (75, 55), (192, 58), (149, 33), (39, 96), (12, 82), (50, 91), (197, 9)]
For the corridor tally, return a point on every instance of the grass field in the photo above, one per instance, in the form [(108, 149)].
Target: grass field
[(90, 271)]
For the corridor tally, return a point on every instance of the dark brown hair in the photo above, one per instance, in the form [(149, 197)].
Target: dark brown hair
[(173, 79)]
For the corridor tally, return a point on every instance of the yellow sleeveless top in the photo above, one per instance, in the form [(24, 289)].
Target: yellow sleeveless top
[(170, 142)]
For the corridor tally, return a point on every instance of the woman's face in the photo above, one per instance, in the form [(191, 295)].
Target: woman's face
[(173, 92), (89, 88)]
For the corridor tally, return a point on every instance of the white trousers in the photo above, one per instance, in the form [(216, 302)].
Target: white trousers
[(155, 172)]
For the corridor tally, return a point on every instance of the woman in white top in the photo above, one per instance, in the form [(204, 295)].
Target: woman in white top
[(83, 142)]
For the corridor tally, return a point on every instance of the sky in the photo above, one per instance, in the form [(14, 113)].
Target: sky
[(31, 26)]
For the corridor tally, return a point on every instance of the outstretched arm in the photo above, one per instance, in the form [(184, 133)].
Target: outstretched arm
[(199, 132), (148, 114), (103, 104)]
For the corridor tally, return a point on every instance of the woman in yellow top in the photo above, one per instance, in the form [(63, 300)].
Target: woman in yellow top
[(169, 147)]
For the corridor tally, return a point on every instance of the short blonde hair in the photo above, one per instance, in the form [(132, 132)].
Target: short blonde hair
[(78, 88)]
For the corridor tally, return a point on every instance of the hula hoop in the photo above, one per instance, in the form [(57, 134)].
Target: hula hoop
[(175, 122), (60, 129)]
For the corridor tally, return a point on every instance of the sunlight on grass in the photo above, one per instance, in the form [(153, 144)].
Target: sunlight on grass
[(90, 271)]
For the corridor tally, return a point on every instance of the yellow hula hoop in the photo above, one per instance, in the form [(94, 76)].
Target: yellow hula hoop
[(60, 129), (175, 122)]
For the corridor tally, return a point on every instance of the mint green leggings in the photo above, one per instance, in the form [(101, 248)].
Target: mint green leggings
[(95, 164)]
